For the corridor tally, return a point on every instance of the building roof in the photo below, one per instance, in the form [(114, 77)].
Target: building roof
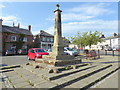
[(43, 33), (111, 37), (15, 30)]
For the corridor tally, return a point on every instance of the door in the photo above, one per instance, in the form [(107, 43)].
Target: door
[(31, 54)]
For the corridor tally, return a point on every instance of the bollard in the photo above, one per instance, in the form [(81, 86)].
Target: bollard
[(113, 52), (98, 51), (105, 52)]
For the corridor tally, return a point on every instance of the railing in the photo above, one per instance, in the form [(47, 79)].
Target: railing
[(104, 52)]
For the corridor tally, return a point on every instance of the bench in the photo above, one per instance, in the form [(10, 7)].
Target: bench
[(92, 55)]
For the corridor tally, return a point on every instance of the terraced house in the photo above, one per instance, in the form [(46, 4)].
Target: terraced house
[(15, 38)]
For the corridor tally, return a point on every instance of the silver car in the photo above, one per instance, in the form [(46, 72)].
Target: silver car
[(70, 51)]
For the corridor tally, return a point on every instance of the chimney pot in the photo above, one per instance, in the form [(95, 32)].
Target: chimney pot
[(29, 27), (18, 25), (1, 24), (1, 21)]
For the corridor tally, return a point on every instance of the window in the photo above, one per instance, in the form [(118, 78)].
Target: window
[(24, 47), (40, 50), (43, 39), (32, 51), (52, 39), (13, 47), (25, 39), (47, 39), (13, 38)]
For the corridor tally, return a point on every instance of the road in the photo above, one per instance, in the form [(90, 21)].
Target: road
[(21, 59), (14, 60)]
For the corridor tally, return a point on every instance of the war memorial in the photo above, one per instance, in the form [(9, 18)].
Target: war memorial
[(58, 57)]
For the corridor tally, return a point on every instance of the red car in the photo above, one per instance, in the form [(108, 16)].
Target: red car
[(35, 53)]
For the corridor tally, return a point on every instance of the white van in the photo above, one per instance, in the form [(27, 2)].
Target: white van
[(70, 51)]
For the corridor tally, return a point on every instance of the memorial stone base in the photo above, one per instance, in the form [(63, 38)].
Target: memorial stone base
[(59, 61)]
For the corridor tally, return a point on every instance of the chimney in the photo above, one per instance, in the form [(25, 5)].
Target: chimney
[(13, 24), (115, 34), (1, 24), (18, 25), (103, 36), (29, 27)]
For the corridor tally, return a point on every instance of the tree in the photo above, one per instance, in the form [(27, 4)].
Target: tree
[(86, 39), (93, 38)]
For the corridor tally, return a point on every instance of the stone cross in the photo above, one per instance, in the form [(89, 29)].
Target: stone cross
[(58, 49)]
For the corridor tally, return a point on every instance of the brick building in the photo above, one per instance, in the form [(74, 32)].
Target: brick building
[(14, 37)]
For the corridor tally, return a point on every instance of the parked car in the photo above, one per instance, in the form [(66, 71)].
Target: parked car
[(108, 49), (22, 51), (36, 53), (70, 51), (10, 52), (118, 49), (49, 50), (114, 49)]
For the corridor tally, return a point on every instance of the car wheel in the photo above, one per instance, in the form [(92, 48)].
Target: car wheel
[(28, 57), (35, 58)]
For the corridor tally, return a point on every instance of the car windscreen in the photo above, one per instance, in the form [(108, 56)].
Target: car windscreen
[(70, 49), (40, 50)]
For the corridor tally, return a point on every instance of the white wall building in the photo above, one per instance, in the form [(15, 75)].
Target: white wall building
[(109, 42)]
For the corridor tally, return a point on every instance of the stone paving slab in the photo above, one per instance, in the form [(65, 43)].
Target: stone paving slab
[(28, 86), (28, 67), (22, 71), (46, 85), (11, 74), (27, 77), (16, 81), (22, 84), (37, 81), (59, 81), (40, 72), (14, 77)]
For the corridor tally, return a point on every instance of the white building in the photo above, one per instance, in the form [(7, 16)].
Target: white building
[(108, 43)]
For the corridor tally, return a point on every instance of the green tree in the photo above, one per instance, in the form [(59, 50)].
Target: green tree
[(93, 38), (86, 39), (20, 42)]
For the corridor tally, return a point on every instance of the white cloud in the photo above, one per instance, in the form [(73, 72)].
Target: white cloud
[(85, 12), (8, 20), (92, 9), (71, 28), (35, 32), (2, 6), (73, 17)]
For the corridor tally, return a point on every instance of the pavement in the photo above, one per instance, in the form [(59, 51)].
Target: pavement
[(98, 73)]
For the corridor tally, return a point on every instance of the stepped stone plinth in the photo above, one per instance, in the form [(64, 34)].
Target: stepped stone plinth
[(58, 57)]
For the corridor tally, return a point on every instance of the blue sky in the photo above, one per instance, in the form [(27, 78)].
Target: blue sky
[(76, 16)]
